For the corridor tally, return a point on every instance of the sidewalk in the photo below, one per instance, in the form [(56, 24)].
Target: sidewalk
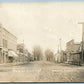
[(12, 64)]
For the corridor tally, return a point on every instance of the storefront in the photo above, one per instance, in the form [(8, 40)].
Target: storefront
[(12, 56)]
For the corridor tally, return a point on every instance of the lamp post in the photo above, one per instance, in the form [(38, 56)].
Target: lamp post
[(82, 39)]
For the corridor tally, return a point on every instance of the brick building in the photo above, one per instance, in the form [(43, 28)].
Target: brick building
[(8, 45)]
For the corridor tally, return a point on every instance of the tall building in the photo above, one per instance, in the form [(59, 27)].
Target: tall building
[(8, 45)]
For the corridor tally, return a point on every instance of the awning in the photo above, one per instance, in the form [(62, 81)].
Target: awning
[(76, 53), (12, 54)]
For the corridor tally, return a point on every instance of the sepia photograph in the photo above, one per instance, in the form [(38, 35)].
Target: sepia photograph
[(42, 41)]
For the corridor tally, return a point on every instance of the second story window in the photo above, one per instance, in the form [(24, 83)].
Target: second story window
[(4, 43)]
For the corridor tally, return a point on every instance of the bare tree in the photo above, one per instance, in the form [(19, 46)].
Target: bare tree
[(37, 53), (49, 55), (20, 47)]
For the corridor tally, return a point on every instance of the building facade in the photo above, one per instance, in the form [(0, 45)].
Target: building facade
[(60, 57), (8, 42), (72, 51), (72, 46), (22, 53)]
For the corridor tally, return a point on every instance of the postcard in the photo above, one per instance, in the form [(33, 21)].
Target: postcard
[(42, 41)]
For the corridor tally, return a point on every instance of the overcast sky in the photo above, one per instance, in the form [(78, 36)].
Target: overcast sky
[(43, 23)]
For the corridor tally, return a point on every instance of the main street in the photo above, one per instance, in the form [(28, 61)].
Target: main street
[(42, 71)]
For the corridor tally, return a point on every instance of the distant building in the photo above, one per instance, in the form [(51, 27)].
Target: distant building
[(57, 57), (8, 45), (60, 57), (22, 53), (72, 46)]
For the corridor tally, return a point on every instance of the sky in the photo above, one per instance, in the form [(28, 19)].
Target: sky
[(43, 23)]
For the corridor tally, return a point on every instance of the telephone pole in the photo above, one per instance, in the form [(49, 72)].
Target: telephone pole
[(82, 40), (60, 52), (58, 48), (23, 50), (60, 44)]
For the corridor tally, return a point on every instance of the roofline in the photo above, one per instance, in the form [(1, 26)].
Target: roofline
[(77, 43), (9, 32)]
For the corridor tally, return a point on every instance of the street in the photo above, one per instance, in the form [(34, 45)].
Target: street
[(42, 71)]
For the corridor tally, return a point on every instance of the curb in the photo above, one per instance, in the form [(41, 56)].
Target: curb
[(12, 64)]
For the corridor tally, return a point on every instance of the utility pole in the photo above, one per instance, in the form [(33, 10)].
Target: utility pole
[(82, 39), (60, 52), (58, 48), (60, 44), (23, 52), (23, 49)]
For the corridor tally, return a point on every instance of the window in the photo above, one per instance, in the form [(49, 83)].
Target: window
[(4, 43)]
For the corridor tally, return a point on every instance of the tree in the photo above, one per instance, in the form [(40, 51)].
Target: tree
[(23, 53), (49, 55), (37, 53), (20, 47)]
